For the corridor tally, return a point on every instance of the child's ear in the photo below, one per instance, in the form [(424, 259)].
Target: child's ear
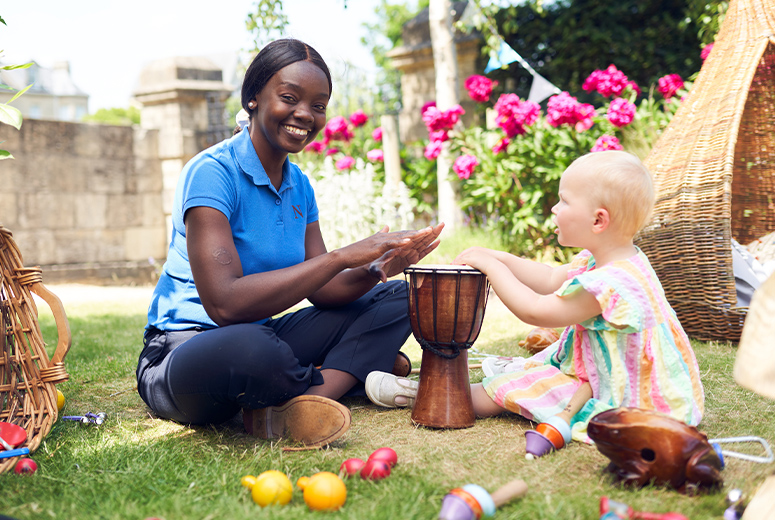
[(602, 220)]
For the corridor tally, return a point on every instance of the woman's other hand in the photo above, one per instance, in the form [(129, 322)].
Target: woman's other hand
[(396, 260)]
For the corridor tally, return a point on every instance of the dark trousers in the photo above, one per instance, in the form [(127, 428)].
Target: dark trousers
[(206, 376)]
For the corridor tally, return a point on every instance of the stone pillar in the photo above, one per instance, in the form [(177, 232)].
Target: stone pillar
[(414, 59), (176, 95), (390, 149)]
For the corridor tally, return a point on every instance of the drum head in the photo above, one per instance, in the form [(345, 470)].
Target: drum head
[(441, 268)]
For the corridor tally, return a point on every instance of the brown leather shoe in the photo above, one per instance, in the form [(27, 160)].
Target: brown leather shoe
[(402, 366), (309, 419)]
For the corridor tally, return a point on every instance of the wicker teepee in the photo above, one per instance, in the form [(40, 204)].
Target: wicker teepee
[(714, 171), (27, 375)]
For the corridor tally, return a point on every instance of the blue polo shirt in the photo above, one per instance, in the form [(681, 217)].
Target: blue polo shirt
[(268, 225)]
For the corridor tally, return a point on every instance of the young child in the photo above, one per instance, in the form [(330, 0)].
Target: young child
[(622, 344)]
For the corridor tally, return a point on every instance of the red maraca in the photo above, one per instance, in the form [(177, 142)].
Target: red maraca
[(611, 509)]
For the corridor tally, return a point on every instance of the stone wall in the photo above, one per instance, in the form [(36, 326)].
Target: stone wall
[(92, 203), (84, 201)]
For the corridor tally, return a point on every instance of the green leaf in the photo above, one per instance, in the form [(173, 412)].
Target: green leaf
[(22, 91), (10, 116), (14, 67), (5, 155)]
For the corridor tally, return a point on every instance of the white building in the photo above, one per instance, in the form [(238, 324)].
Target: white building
[(52, 96)]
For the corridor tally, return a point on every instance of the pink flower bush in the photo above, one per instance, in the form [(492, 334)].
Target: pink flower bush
[(464, 165), (502, 145), (436, 119), (608, 82), (479, 87), (606, 142), (669, 85), (564, 109), (432, 150), (375, 155), (358, 118), (376, 134), (621, 112), (337, 129), (331, 151), (706, 51), (345, 163), (514, 115), (316, 147)]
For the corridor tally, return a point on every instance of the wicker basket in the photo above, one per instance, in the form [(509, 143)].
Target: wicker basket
[(27, 375), (713, 171)]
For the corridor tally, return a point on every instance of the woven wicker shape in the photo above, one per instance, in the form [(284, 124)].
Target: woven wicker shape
[(27, 375), (713, 171)]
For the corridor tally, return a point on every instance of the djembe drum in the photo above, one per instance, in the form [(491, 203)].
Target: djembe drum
[(446, 309)]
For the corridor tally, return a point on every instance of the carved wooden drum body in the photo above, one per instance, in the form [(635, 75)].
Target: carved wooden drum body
[(446, 310)]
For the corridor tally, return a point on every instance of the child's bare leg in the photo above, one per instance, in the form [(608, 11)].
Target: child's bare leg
[(577, 402), (484, 406)]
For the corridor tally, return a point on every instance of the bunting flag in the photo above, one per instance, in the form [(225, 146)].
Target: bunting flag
[(540, 89), (503, 57)]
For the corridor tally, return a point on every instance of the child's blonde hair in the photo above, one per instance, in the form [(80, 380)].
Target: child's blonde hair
[(620, 183)]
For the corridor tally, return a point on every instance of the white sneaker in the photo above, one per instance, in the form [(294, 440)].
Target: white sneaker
[(383, 388), (493, 366)]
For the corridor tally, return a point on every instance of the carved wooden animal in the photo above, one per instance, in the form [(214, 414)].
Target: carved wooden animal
[(646, 446)]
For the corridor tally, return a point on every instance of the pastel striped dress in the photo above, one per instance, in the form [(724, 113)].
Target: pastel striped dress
[(634, 353)]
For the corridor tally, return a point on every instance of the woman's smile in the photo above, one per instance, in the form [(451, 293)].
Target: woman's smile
[(296, 130)]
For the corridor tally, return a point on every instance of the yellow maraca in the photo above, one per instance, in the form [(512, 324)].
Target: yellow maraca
[(271, 487), (323, 491)]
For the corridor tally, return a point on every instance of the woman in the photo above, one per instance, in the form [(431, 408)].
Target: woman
[(247, 246)]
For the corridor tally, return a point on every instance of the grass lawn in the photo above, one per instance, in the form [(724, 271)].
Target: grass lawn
[(136, 466)]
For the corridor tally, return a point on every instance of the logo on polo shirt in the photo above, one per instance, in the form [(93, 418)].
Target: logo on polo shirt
[(297, 212)]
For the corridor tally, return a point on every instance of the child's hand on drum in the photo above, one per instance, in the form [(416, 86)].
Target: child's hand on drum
[(476, 257)]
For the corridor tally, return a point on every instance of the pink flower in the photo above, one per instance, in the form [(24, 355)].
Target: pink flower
[(358, 118), (634, 86), (375, 155), (337, 130), (426, 106), (316, 147), (706, 51), (621, 112), (610, 81), (479, 87), (432, 150), (436, 119), (514, 114), (441, 135), (502, 145), (464, 165), (606, 142), (564, 109), (345, 163), (377, 134), (561, 109), (331, 151), (584, 112), (669, 85)]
